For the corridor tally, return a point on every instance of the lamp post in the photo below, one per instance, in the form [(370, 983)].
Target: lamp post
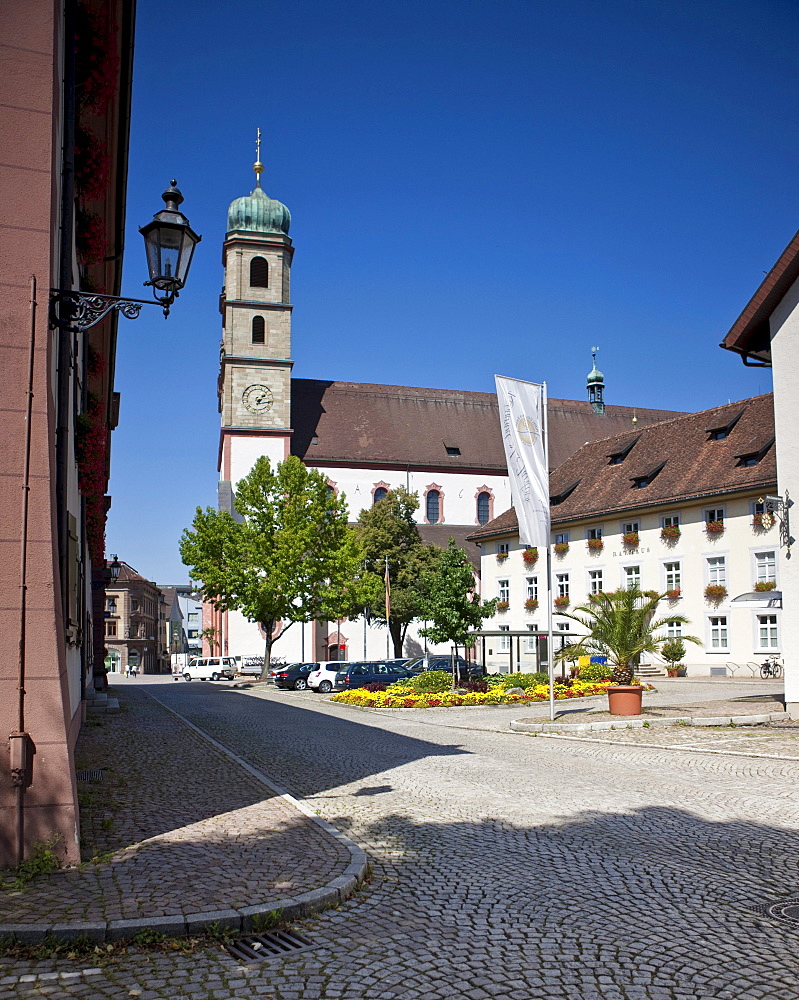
[(169, 242)]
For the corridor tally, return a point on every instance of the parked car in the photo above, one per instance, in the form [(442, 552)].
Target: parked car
[(250, 666), (370, 672), (465, 668), (210, 668), (323, 679), (293, 676)]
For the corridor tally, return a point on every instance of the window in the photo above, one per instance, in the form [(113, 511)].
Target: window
[(111, 605), (504, 640), (766, 567), (595, 581), (767, 632), (111, 629), (632, 577), (718, 632), (562, 538), (674, 630), (503, 548), (452, 451), (483, 508), (134, 605), (714, 514), (672, 573), (717, 571), (529, 642), (562, 583), (193, 633), (380, 494), (532, 588), (259, 273), (258, 330), (433, 506), (503, 590), (594, 533), (757, 507), (194, 616), (670, 521), (628, 527)]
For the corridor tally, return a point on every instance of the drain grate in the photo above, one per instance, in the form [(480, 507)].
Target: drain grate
[(273, 944), (788, 910), (96, 775)]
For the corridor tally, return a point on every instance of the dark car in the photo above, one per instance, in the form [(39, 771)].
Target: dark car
[(370, 672), (466, 669), (294, 676)]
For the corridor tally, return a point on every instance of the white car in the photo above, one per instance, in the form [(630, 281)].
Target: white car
[(324, 679), (210, 668)]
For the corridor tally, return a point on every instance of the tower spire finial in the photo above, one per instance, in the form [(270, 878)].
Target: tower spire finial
[(258, 167)]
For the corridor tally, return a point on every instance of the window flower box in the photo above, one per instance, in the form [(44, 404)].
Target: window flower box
[(630, 539), (762, 586), (503, 606), (714, 527), (561, 602), (652, 595), (561, 548), (595, 544), (670, 532), (674, 595), (715, 592), (530, 556), (531, 604), (501, 556)]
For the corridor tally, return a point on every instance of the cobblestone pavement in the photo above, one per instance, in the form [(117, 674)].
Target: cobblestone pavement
[(181, 827), (506, 866)]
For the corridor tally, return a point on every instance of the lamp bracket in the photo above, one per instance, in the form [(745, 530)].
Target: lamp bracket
[(82, 310)]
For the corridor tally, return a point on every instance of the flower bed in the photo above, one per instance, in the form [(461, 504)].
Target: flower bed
[(403, 696)]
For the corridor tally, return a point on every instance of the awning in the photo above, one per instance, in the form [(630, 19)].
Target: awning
[(759, 599)]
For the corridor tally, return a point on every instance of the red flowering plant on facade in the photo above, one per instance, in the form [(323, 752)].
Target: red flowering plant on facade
[(715, 592), (97, 58), (503, 605), (630, 539), (530, 556), (561, 602), (91, 437), (763, 586), (531, 604), (670, 532), (595, 544), (92, 164), (714, 527), (561, 548), (673, 595), (90, 238)]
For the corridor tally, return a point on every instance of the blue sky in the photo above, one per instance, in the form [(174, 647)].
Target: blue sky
[(476, 186)]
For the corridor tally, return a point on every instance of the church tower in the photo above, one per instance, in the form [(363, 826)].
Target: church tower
[(255, 358)]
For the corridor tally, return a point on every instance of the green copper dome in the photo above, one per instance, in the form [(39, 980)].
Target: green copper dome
[(595, 375), (258, 213)]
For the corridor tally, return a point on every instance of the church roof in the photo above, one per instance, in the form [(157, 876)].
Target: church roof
[(393, 425), (258, 213), (724, 450)]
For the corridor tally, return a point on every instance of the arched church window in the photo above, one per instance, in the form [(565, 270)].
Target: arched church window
[(380, 494), (483, 508), (258, 330), (433, 506), (259, 273)]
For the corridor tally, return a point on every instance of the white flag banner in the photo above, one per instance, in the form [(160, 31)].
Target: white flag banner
[(522, 419)]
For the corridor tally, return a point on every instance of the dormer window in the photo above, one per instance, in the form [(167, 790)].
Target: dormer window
[(754, 457), (617, 457), (723, 430), (557, 498), (452, 451), (641, 482), (259, 273)]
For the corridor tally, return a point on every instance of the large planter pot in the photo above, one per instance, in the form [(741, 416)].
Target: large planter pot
[(625, 699)]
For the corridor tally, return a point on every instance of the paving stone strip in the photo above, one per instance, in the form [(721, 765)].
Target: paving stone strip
[(185, 835)]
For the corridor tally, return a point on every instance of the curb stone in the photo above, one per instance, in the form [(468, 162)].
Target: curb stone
[(627, 723), (242, 918)]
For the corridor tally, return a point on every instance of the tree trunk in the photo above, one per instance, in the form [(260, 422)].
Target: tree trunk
[(396, 632), (268, 628)]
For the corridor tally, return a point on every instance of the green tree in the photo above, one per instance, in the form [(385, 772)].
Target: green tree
[(388, 531), (621, 625), (449, 601), (292, 558)]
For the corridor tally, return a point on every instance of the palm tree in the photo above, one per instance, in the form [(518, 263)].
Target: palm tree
[(621, 625)]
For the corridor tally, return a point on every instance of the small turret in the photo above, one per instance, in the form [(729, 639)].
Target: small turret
[(596, 386)]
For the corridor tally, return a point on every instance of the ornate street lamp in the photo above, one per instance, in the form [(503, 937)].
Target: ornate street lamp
[(169, 242)]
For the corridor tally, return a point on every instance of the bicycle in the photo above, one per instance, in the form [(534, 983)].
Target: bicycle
[(771, 667)]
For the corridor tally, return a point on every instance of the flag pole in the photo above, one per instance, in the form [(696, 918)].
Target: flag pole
[(550, 644), (387, 582)]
